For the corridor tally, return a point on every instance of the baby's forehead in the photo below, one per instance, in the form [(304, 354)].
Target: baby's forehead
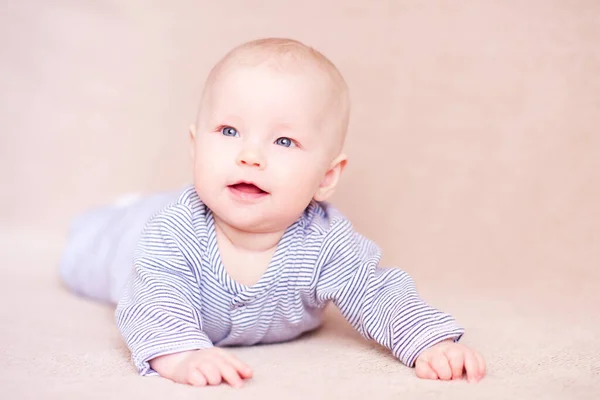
[(301, 90), (307, 87)]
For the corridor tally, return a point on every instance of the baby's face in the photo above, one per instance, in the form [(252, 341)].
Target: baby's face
[(263, 146)]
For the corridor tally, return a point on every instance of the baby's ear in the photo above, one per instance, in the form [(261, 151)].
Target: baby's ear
[(192, 140), (331, 178)]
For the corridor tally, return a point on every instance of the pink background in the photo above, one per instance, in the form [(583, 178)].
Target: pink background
[(474, 143)]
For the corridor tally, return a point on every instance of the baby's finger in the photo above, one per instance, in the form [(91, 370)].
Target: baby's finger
[(242, 368), (230, 375), (195, 378), (456, 360), (471, 366), (441, 366), (481, 363), (424, 370), (211, 373)]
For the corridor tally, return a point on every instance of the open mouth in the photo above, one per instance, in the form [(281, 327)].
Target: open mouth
[(247, 190)]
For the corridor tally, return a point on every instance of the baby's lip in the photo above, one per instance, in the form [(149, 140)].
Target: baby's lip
[(248, 183)]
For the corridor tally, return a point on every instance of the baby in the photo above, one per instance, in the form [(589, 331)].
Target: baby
[(252, 252)]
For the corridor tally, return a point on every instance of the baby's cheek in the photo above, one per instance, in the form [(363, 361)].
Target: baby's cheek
[(206, 175), (301, 188)]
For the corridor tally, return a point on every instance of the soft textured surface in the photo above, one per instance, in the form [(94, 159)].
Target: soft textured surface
[(475, 165)]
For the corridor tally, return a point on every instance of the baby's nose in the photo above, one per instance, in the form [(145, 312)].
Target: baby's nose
[(251, 158)]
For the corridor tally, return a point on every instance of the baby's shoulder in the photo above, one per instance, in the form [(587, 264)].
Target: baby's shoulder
[(335, 232), (185, 206), (188, 198), (325, 221)]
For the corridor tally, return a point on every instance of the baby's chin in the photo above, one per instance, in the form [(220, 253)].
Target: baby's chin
[(246, 221)]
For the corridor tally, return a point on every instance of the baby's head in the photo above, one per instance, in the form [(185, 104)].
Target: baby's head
[(269, 134)]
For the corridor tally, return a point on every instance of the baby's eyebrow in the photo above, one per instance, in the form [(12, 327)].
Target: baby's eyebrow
[(228, 119)]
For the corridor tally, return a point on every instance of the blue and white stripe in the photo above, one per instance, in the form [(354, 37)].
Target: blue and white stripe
[(180, 296)]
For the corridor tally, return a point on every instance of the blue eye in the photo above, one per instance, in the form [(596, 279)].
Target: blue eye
[(285, 142), (229, 131)]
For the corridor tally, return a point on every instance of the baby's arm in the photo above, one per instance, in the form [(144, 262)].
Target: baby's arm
[(159, 314), (382, 303)]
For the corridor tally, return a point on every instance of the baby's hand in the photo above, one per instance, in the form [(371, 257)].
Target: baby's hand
[(447, 360), (202, 367)]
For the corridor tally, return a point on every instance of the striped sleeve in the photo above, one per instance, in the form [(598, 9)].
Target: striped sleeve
[(159, 312), (380, 303)]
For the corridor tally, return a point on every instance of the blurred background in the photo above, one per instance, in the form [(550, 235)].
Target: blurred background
[(474, 143)]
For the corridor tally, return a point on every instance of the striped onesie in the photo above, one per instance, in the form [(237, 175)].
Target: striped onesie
[(178, 295)]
